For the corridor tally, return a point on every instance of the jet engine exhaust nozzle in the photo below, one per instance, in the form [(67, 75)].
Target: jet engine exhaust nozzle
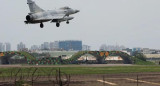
[(28, 18)]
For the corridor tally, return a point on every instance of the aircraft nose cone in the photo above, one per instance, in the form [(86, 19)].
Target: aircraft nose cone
[(76, 11)]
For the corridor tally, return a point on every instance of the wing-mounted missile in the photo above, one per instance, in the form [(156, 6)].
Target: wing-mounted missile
[(66, 18)]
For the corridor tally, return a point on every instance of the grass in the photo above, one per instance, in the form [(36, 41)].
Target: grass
[(111, 70), (89, 70), (141, 62)]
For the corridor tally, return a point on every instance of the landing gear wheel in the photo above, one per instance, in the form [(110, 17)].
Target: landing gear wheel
[(67, 22), (57, 24), (41, 25)]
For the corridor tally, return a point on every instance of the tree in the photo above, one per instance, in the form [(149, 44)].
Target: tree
[(140, 56)]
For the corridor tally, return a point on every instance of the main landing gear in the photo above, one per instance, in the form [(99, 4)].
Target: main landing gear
[(67, 22), (57, 24), (41, 25)]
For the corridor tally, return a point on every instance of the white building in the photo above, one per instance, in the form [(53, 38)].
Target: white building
[(54, 46), (86, 48), (2, 46), (105, 47), (34, 47), (8, 46), (21, 46)]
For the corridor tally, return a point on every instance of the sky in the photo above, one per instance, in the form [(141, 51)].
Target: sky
[(132, 23)]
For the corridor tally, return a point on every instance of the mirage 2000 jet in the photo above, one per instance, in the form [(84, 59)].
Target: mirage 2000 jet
[(38, 15)]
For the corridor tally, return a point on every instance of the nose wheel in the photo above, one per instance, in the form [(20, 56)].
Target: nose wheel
[(41, 25), (57, 24)]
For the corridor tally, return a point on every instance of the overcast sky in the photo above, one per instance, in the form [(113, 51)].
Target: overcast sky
[(132, 23)]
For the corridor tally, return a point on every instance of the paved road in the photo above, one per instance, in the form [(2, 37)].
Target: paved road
[(81, 65)]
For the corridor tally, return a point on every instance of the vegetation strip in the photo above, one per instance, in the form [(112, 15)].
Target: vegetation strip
[(90, 70)]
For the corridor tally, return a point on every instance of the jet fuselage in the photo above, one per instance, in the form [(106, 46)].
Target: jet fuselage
[(38, 15)]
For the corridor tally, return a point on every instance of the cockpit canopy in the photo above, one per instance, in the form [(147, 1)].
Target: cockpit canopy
[(65, 8)]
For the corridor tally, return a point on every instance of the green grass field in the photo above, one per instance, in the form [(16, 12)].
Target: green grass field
[(90, 70), (110, 70)]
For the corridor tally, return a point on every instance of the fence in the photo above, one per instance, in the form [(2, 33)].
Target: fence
[(55, 77)]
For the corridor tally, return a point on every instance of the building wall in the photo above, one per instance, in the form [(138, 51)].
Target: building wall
[(152, 55), (21, 46), (116, 58), (1, 47), (70, 45), (86, 48), (8, 46), (5, 47)]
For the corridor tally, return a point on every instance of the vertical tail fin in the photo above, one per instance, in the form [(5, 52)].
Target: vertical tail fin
[(33, 7)]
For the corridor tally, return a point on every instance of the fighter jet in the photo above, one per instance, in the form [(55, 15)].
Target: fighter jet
[(38, 15)]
